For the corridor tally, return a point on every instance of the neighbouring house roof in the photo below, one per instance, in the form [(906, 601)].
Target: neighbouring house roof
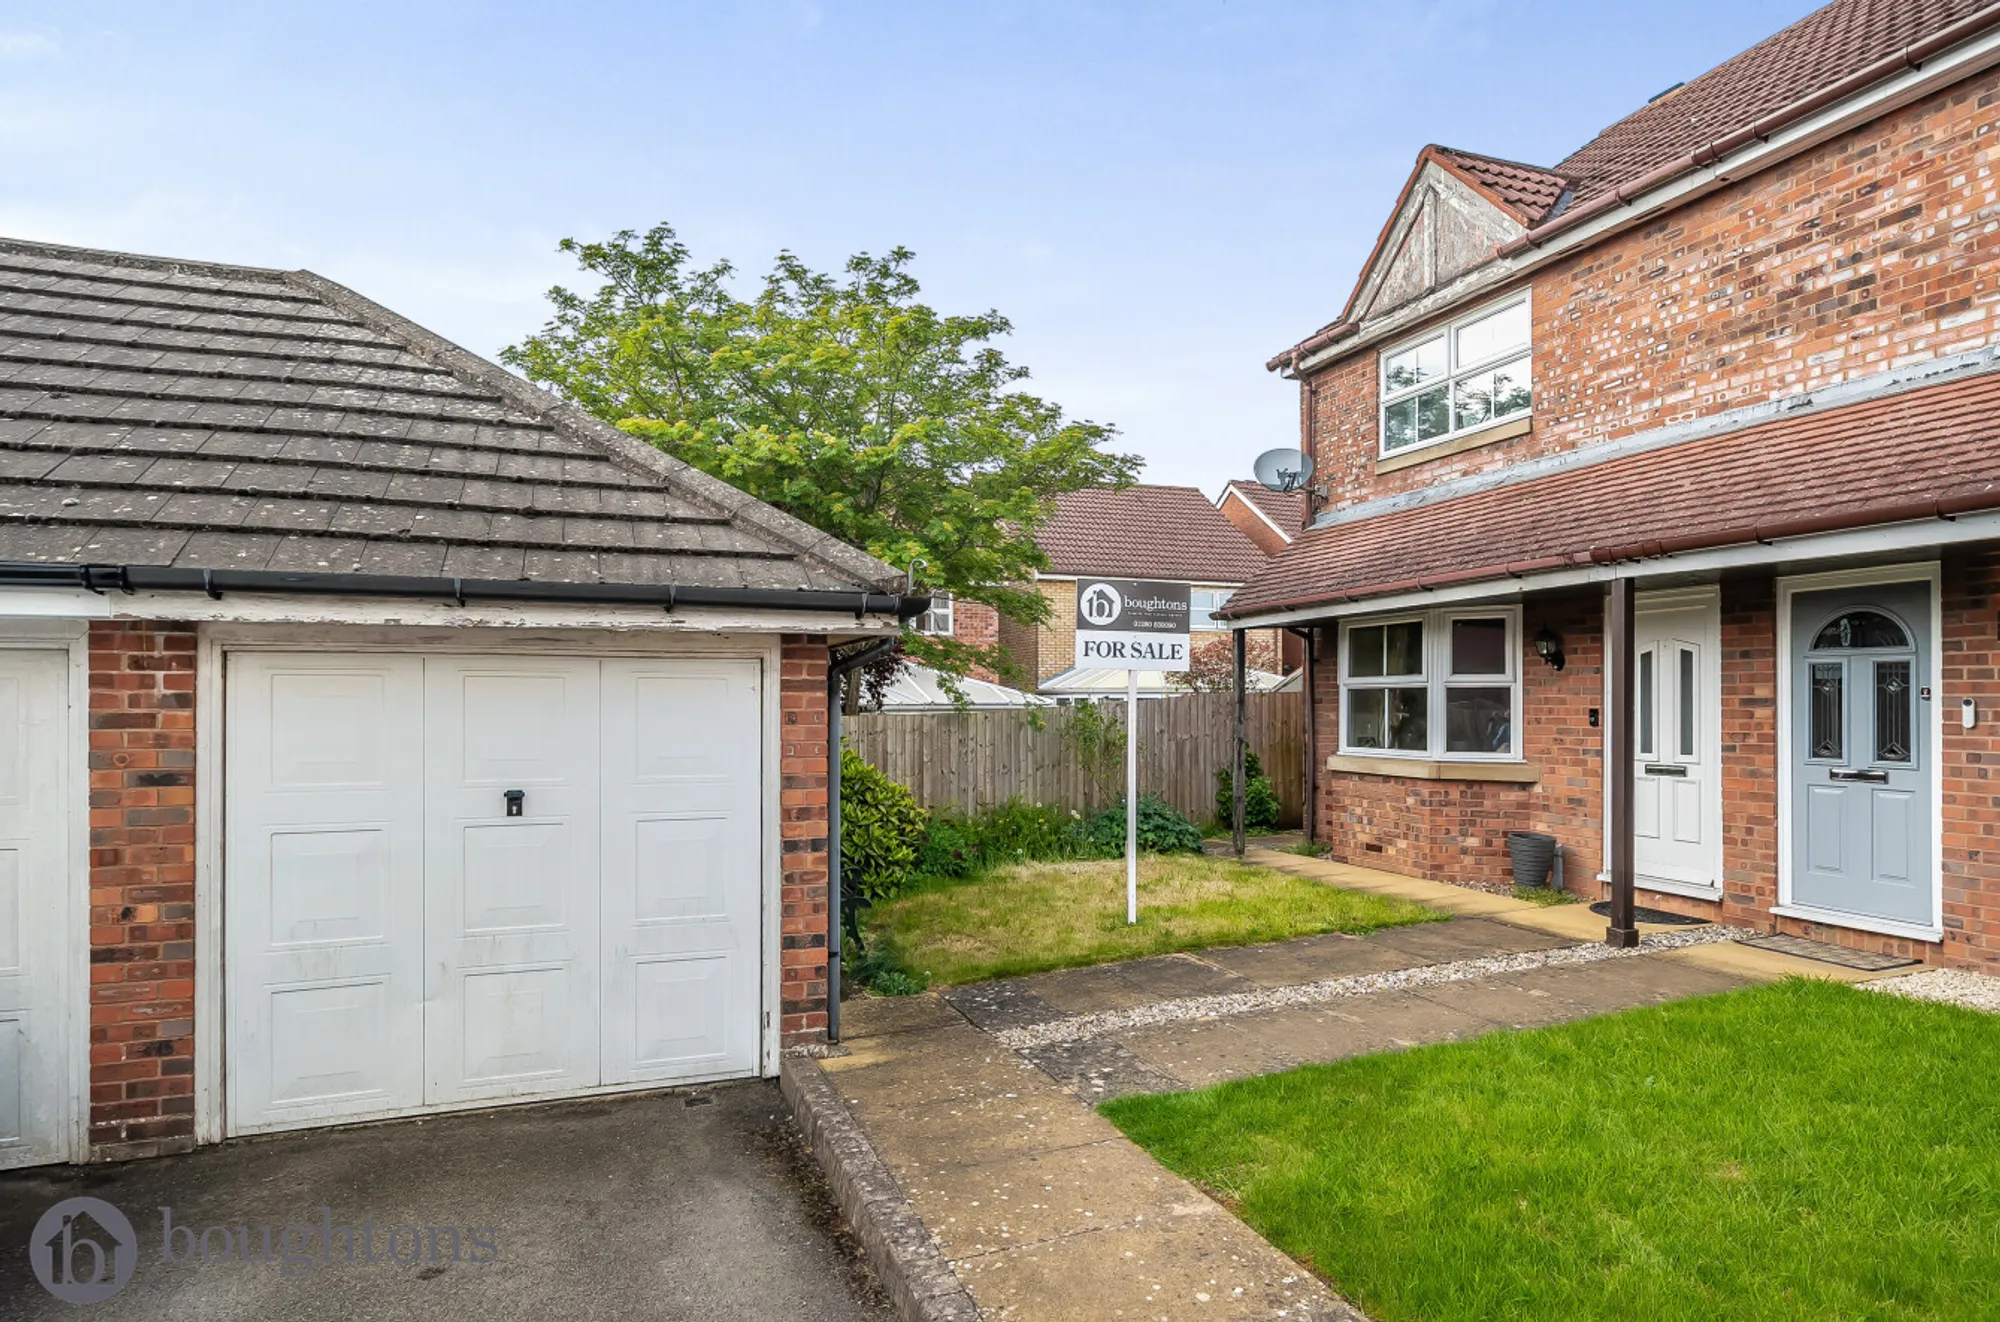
[(1285, 509), (168, 414), (1837, 50), (1146, 532), (919, 688), (1924, 453)]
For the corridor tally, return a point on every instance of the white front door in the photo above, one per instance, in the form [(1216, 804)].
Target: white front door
[(35, 1028), (324, 954), (510, 883), (455, 880), (682, 926), (1676, 806)]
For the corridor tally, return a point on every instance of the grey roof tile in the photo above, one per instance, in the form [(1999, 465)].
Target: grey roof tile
[(204, 416)]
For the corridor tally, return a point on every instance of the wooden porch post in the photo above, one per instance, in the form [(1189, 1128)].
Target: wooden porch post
[(1237, 787), (1618, 776)]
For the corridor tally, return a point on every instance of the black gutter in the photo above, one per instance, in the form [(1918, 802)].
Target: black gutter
[(215, 582), (836, 905)]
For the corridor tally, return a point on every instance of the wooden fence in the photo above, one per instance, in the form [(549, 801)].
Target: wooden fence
[(970, 760)]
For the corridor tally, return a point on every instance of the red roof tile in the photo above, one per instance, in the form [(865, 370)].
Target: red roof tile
[(1146, 532), (1818, 50), (1882, 461), (1528, 190)]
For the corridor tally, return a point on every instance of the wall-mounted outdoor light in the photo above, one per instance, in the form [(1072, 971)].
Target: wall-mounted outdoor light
[(1549, 647)]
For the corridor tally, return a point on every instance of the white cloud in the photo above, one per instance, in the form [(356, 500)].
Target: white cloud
[(25, 45)]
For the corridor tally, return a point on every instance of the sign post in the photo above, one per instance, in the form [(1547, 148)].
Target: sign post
[(1131, 625)]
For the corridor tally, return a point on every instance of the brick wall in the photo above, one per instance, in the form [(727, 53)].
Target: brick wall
[(976, 624), (142, 787), (802, 804), (1970, 652), (1878, 248), (1252, 524)]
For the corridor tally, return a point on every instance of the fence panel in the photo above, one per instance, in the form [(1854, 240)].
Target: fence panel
[(971, 760)]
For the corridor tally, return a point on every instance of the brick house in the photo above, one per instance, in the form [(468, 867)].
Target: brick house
[(1657, 503), (382, 736), (1172, 534), (1269, 518)]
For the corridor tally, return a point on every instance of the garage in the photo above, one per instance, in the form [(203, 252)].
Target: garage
[(460, 880)]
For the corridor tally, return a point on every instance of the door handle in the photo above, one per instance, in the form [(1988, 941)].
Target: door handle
[(515, 799), (1869, 777), (1665, 769)]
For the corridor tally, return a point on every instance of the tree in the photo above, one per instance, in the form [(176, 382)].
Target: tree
[(840, 399), (1212, 662)]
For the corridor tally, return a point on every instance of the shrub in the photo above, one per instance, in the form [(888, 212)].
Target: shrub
[(881, 827), (1260, 801), (945, 850), (1162, 830), (879, 968), (1013, 832)]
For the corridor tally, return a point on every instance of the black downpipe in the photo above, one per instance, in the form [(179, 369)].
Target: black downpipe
[(215, 582), (836, 904)]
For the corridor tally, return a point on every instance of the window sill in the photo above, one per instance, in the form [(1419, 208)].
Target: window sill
[(1472, 440), (1418, 768)]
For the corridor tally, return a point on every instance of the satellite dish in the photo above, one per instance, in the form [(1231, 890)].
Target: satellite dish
[(1284, 470)]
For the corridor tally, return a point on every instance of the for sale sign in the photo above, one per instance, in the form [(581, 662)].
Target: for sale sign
[(1131, 624)]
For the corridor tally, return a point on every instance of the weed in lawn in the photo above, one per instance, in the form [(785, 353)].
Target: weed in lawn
[(1795, 1151)]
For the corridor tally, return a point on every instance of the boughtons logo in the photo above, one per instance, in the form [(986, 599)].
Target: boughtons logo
[(83, 1250), (1101, 604)]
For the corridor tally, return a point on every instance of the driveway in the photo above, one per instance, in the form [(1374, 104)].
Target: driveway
[(634, 1208)]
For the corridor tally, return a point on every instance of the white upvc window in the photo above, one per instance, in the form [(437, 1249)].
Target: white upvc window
[(1202, 605), (936, 621), (1458, 378), (1443, 684)]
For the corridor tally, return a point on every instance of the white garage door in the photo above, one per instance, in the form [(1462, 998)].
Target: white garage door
[(34, 877), (456, 880)]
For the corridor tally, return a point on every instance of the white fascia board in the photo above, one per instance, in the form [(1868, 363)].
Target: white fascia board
[(259, 608), (1940, 71), (1788, 553)]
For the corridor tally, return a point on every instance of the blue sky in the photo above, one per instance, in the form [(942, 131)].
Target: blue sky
[(1159, 195)]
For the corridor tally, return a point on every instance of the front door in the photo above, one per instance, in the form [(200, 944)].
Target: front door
[(35, 1025), (1861, 808), (1676, 805)]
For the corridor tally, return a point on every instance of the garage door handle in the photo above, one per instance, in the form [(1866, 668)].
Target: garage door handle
[(1871, 777), (515, 801)]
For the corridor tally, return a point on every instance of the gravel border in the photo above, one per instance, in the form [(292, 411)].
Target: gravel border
[(1974, 991), (918, 1280), (1079, 1027)]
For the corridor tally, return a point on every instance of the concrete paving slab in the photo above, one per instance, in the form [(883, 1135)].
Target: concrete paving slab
[(1387, 1022), (1505, 1003), (1003, 1003), (891, 1074), (986, 1129), (1164, 977), (982, 1208), (1086, 991), (872, 1016), (1099, 1068), (1465, 938), (1206, 1051), (1195, 1262), (1310, 959), (1754, 965)]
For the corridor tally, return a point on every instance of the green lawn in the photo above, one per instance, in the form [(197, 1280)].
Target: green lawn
[(1797, 1151), (1029, 917)]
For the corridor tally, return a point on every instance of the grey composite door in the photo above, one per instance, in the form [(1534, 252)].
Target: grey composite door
[(1861, 807)]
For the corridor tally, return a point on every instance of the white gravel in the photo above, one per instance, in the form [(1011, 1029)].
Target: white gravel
[(1079, 1027), (1974, 991)]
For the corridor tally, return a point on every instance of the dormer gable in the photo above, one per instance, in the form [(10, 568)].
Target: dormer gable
[(1454, 211)]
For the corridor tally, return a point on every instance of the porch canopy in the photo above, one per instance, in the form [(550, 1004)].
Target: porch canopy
[(1878, 468)]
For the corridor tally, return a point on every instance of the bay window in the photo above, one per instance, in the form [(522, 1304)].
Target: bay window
[(1438, 684), (1466, 375)]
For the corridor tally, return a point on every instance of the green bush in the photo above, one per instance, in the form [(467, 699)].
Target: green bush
[(946, 850), (1260, 801), (1162, 830), (881, 827), (1011, 832)]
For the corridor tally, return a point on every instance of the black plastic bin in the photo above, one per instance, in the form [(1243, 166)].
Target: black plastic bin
[(1534, 856)]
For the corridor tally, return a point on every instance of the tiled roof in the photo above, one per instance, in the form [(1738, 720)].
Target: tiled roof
[(1818, 50), (183, 415), (1531, 191), (1906, 456), (1146, 532), (1286, 509)]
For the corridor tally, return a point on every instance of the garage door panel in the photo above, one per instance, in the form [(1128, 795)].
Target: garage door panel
[(515, 727), (681, 1014), (682, 868), (13, 901), (516, 1028), (14, 1081), (515, 876), (324, 932)]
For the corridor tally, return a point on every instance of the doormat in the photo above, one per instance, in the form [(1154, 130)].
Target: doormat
[(1641, 914), (1868, 961)]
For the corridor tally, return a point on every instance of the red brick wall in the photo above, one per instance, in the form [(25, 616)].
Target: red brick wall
[(1455, 831), (1970, 652), (142, 787), (976, 624), (1252, 524), (1870, 251), (802, 804)]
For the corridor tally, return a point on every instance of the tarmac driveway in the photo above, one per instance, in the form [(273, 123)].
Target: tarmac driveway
[(634, 1208)]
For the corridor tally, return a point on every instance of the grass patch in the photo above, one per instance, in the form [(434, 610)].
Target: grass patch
[(1796, 1151), (1546, 896), (1029, 917)]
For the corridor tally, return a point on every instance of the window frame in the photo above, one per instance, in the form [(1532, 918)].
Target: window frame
[(1454, 371), (950, 618), (1205, 622), (1436, 679)]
